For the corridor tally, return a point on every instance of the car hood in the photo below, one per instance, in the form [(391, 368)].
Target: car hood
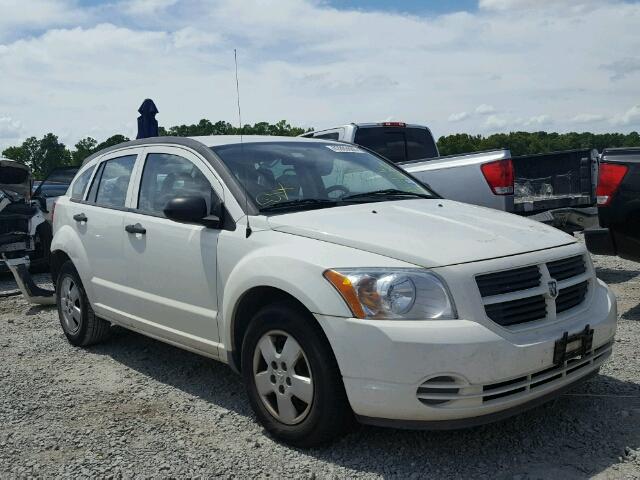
[(15, 177), (429, 233)]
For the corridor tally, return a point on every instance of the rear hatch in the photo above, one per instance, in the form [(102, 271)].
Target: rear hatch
[(397, 141), (549, 181)]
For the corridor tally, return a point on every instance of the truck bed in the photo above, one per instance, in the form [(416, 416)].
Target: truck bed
[(555, 180)]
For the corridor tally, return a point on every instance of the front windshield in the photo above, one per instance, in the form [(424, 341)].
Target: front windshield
[(304, 172)]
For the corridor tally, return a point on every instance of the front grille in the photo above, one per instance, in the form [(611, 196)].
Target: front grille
[(525, 297), (510, 281), (567, 268), (571, 296), (449, 392), (517, 311)]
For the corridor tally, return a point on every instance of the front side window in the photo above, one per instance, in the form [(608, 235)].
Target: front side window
[(80, 184), (314, 172), (109, 188), (166, 176)]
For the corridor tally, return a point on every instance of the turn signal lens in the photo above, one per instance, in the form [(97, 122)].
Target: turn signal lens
[(345, 288), (610, 177), (499, 176)]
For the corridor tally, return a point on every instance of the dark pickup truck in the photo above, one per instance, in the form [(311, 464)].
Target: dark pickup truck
[(618, 194)]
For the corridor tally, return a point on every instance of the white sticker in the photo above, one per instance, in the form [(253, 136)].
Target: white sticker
[(344, 148)]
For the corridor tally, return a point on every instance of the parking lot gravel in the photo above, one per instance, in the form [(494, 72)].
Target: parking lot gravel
[(135, 407)]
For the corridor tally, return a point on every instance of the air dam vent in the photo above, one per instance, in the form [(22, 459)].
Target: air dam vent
[(438, 390)]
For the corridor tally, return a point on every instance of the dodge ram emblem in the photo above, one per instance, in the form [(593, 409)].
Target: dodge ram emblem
[(553, 289)]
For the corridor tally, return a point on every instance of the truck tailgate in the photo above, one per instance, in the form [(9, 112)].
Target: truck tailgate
[(555, 180), (459, 177)]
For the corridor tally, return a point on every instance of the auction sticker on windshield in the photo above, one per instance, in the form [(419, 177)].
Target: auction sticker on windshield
[(344, 148)]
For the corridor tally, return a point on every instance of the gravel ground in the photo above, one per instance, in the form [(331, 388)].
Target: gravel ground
[(138, 407)]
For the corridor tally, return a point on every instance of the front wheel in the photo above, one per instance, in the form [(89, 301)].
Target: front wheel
[(292, 378)]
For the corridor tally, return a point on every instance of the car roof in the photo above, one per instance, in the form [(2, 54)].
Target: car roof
[(218, 140)]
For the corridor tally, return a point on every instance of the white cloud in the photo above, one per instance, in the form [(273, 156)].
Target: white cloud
[(458, 117), (301, 60), (485, 109), (145, 7), (631, 117), (36, 14), (495, 122), (9, 128), (587, 118), (537, 120), (503, 5)]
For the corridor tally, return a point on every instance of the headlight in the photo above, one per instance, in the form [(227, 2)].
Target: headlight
[(380, 293)]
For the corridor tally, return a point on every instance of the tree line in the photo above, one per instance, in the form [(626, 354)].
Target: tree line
[(44, 154)]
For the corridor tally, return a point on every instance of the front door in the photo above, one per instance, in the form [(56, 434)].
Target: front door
[(171, 267)]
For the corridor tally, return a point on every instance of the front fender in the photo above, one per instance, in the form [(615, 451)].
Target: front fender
[(291, 263), (66, 240)]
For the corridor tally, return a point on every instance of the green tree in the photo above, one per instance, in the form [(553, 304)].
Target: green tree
[(41, 156), (111, 141), (84, 148)]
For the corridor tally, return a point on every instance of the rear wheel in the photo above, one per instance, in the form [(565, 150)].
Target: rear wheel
[(292, 378), (79, 323)]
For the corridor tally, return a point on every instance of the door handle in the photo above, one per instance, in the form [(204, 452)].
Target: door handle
[(80, 217), (137, 228)]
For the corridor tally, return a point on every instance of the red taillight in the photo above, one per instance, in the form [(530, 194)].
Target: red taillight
[(394, 124), (499, 176), (609, 179)]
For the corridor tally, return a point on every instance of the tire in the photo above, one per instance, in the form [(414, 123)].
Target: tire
[(321, 413), (79, 323)]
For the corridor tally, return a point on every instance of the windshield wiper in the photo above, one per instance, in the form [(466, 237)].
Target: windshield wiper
[(388, 193), (299, 204)]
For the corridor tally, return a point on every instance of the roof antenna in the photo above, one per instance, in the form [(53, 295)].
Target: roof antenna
[(246, 192)]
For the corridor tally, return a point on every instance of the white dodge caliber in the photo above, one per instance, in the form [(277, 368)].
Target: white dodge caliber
[(339, 286)]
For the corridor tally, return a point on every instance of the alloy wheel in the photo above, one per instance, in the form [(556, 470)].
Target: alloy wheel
[(282, 377), (70, 305)]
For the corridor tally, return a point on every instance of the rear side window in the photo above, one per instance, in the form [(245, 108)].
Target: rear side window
[(80, 185), (396, 143), (166, 176), (109, 188)]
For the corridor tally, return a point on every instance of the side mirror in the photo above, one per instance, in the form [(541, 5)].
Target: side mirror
[(190, 209)]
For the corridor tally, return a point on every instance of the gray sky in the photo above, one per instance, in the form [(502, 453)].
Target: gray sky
[(80, 68)]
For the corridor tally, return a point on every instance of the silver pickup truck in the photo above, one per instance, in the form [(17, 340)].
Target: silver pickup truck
[(481, 178)]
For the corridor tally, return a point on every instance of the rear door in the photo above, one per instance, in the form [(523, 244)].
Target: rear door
[(98, 217), (171, 267)]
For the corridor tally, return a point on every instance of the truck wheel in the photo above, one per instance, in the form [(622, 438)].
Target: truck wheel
[(79, 323), (292, 378)]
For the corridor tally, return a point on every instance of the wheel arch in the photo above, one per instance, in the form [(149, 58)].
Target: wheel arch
[(247, 305)]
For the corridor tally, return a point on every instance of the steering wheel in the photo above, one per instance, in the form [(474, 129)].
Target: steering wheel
[(337, 188)]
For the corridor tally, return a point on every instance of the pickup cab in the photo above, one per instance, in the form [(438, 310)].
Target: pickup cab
[(480, 178), (618, 194), (337, 285)]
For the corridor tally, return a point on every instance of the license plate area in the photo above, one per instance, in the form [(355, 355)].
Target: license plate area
[(573, 346)]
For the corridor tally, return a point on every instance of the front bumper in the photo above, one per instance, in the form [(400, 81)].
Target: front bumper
[(452, 372)]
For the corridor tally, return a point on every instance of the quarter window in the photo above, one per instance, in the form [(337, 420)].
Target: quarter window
[(80, 185), (110, 186), (166, 176)]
